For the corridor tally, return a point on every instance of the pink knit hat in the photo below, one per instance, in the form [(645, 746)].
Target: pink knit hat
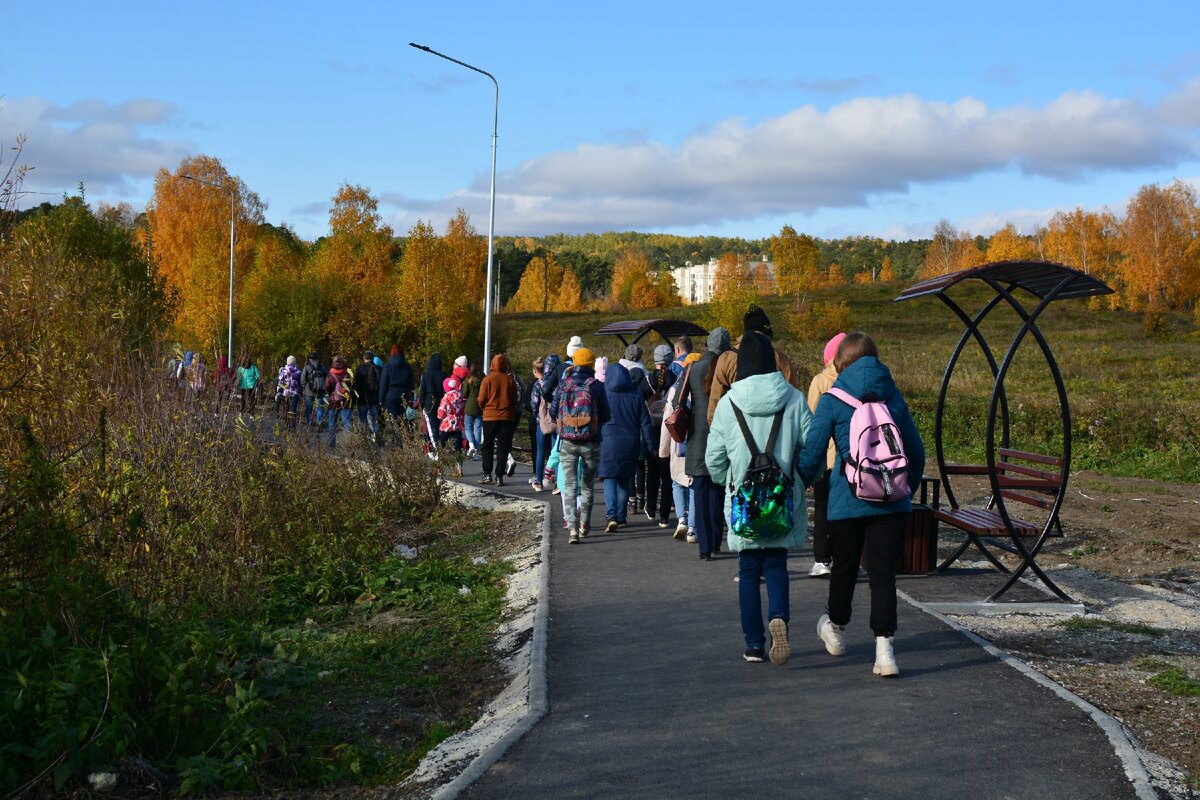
[(831, 347)]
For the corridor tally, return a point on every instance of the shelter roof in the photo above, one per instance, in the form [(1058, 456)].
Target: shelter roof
[(1038, 278)]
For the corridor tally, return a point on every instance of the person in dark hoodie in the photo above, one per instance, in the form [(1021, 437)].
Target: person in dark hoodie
[(366, 392), (429, 396), (498, 402), (396, 384), (312, 383), (853, 521), (623, 439), (762, 400), (708, 510)]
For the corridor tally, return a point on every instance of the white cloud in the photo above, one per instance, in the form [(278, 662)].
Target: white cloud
[(108, 147), (810, 159)]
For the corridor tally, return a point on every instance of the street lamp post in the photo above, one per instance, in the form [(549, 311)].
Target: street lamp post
[(232, 214), (487, 304)]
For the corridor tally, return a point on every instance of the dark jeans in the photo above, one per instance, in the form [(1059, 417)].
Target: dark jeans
[(249, 396), (821, 551), (452, 438), (771, 565), (497, 443), (884, 537), (658, 487), (708, 513)]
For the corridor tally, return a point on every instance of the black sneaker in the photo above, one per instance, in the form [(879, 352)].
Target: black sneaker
[(754, 655), (500, 479)]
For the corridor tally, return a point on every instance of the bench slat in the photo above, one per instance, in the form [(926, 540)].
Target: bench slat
[(1033, 501), (979, 522), (966, 469), (1032, 484), (1024, 456), (1021, 469)]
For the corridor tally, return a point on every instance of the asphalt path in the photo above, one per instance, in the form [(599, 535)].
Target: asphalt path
[(650, 697)]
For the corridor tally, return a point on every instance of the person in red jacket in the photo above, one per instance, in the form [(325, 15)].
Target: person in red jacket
[(498, 401)]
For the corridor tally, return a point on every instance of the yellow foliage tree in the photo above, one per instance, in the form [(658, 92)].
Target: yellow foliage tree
[(733, 293), (436, 315), (1162, 260), (540, 286), (796, 258), (468, 252), (950, 251), (570, 293), (886, 273), (835, 277), (189, 236), (632, 283), (1008, 245)]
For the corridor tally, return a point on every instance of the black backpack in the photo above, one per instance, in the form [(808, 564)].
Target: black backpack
[(315, 380)]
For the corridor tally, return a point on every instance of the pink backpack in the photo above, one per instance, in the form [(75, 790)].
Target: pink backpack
[(876, 466)]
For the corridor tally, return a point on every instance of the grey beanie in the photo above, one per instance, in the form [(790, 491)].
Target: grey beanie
[(663, 353), (718, 340), (633, 353)]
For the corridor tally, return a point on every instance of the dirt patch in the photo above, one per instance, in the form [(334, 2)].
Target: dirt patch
[(1131, 554)]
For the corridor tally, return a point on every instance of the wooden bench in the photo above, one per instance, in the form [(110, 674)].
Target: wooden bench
[(1032, 479)]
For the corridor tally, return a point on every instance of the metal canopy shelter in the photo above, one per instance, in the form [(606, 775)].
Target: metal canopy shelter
[(1047, 282), (668, 329)]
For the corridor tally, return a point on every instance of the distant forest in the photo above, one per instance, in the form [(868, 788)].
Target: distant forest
[(592, 255)]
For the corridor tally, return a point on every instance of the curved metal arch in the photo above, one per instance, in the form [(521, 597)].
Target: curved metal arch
[(999, 398)]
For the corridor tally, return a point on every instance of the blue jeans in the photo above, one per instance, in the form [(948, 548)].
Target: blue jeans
[(311, 401), (616, 497), (681, 494), (369, 415), (542, 443), (473, 430), (344, 414), (770, 563), (578, 460)]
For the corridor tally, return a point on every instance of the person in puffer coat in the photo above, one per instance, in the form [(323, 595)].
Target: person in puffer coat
[(760, 393), (852, 521), (624, 439)]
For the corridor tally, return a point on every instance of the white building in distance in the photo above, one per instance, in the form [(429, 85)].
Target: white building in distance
[(695, 281)]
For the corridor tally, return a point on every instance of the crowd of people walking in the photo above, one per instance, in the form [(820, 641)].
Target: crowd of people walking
[(720, 441)]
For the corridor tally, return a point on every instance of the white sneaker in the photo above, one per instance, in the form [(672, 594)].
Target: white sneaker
[(681, 531), (780, 650), (691, 537), (819, 570), (885, 658), (831, 635)]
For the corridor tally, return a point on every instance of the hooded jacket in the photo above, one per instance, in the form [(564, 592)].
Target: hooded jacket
[(697, 437), (538, 393), (431, 391), (627, 435), (498, 392), (821, 384), (759, 397), (396, 384), (312, 378), (637, 375), (865, 376)]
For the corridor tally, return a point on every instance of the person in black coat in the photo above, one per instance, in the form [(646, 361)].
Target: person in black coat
[(396, 383), (429, 396), (625, 436)]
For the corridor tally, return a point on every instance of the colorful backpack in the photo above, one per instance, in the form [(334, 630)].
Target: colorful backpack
[(761, 506), (876, 466), (576, 412), (340, 397)]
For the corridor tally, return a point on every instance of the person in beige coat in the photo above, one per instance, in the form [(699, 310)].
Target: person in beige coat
[(819, 386), (681, 482), (725, 371)]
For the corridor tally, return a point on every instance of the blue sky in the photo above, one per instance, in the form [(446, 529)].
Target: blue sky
[(693, 118)]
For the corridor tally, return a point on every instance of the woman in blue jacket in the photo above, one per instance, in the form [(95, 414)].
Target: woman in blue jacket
[(852, 521), (623, 439)]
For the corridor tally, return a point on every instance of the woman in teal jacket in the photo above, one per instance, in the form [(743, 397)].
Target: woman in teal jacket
[(760, 392), (247, 380), (852, 521)]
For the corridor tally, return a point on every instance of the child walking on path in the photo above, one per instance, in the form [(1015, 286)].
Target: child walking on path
[(769, 408), (853, 521)]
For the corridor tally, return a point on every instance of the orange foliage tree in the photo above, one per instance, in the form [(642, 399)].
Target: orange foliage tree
[(1008, 245), (796, 258), (189, 238), (1161, 268), (733, 292), (949, 252)]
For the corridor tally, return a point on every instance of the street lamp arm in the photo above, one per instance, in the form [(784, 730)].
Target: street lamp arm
[(456, 61)]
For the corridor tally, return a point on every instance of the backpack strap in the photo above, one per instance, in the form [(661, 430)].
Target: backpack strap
[(845, 397), (747, 435)]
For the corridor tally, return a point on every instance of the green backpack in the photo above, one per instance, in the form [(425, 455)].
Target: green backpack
[(761, 506)]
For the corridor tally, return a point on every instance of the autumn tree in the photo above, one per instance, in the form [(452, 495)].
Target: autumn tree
[(733, 293), (433, 313), (468, 257), (1008, 245), (353, 265), (189, 238), (950, 251), (1085, 240), (540, 285), (886, 273), (1161, 268), (797, 258), (633, 283), (570, 293)]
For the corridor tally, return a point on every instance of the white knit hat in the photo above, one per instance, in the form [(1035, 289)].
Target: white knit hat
[(461, 361), (573, 345)]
